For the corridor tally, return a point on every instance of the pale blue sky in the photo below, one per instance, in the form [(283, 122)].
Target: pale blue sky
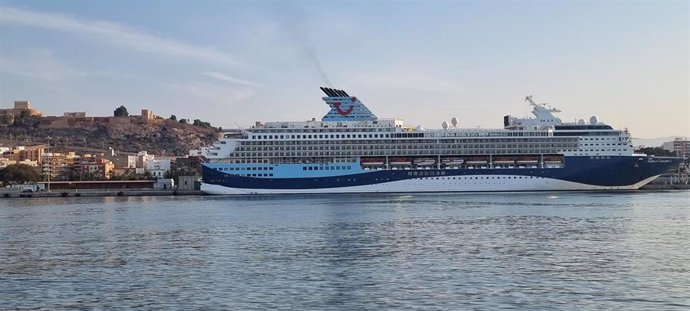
[(236, 62)]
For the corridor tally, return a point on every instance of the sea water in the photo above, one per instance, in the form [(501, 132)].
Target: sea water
[(556, 251)]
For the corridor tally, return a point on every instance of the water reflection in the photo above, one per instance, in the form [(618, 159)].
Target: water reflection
[(448, 251)]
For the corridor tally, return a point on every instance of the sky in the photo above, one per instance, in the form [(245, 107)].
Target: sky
[(232, 63)]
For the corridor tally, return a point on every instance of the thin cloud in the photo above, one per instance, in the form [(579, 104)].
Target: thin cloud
[(114, 34), (224, 77), (38, 65)]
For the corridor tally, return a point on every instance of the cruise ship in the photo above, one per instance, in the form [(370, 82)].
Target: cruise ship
[(351, 150)]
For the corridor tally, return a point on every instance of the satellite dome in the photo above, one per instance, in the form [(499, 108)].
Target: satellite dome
[(454, 121), (444, 124), (581, 122), (594, 120)]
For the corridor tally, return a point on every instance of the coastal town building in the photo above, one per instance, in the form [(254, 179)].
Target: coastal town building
[(157, 167), (100, 185), (32, 153), (24, 153), (679, 146), (56, 164), (187, 183), (123, 161), (142, 158), (96, 167), (164, 184)]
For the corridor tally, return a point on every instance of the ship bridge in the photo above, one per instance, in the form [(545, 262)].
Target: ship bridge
[(543, 118)]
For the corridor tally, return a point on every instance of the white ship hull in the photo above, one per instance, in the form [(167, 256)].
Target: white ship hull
[(478, 183)]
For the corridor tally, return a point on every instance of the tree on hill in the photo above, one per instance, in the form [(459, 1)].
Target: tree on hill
[(173, 117), (200, 123), (183, 121), (121, 112), (19, 174)]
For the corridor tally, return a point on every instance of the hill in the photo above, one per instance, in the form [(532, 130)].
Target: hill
[(652, 142), (125, 134)]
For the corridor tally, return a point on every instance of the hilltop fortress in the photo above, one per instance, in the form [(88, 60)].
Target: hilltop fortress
[(124, 133), (22, 108)]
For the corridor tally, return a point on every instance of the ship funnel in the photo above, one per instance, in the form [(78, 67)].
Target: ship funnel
[(345, 107)]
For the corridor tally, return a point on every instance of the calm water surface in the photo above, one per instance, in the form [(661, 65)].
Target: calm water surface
[(563, 251)]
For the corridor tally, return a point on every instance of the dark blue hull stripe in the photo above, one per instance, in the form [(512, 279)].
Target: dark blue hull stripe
[(612, 172)]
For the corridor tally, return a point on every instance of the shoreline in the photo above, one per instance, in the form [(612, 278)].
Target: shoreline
[(141, 193), (98, 193)]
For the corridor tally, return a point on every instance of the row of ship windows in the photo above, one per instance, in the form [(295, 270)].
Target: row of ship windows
[(413, 173), (442, 173), (401, 135), (600, 157), (245, 168), (461, 178), (619, 139), (416, 142), (316, 160), (325, 168), (240, 155), (257, 134), (384, 128), (255, 175), (337, 136), (404, 146), (401, 147), (595, 150), (305, 168), (391, 153)]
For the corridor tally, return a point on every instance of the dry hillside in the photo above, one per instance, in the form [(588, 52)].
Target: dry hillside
[(124, 134)]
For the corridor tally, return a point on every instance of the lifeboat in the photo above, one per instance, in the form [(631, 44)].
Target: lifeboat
[(424, 161), (528, 161), (453, 161), (477, 161), (553, 159), (504, 160), (399, 161), (372, 161)]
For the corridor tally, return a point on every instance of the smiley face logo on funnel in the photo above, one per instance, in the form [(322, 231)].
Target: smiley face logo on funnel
[(340, 111)]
